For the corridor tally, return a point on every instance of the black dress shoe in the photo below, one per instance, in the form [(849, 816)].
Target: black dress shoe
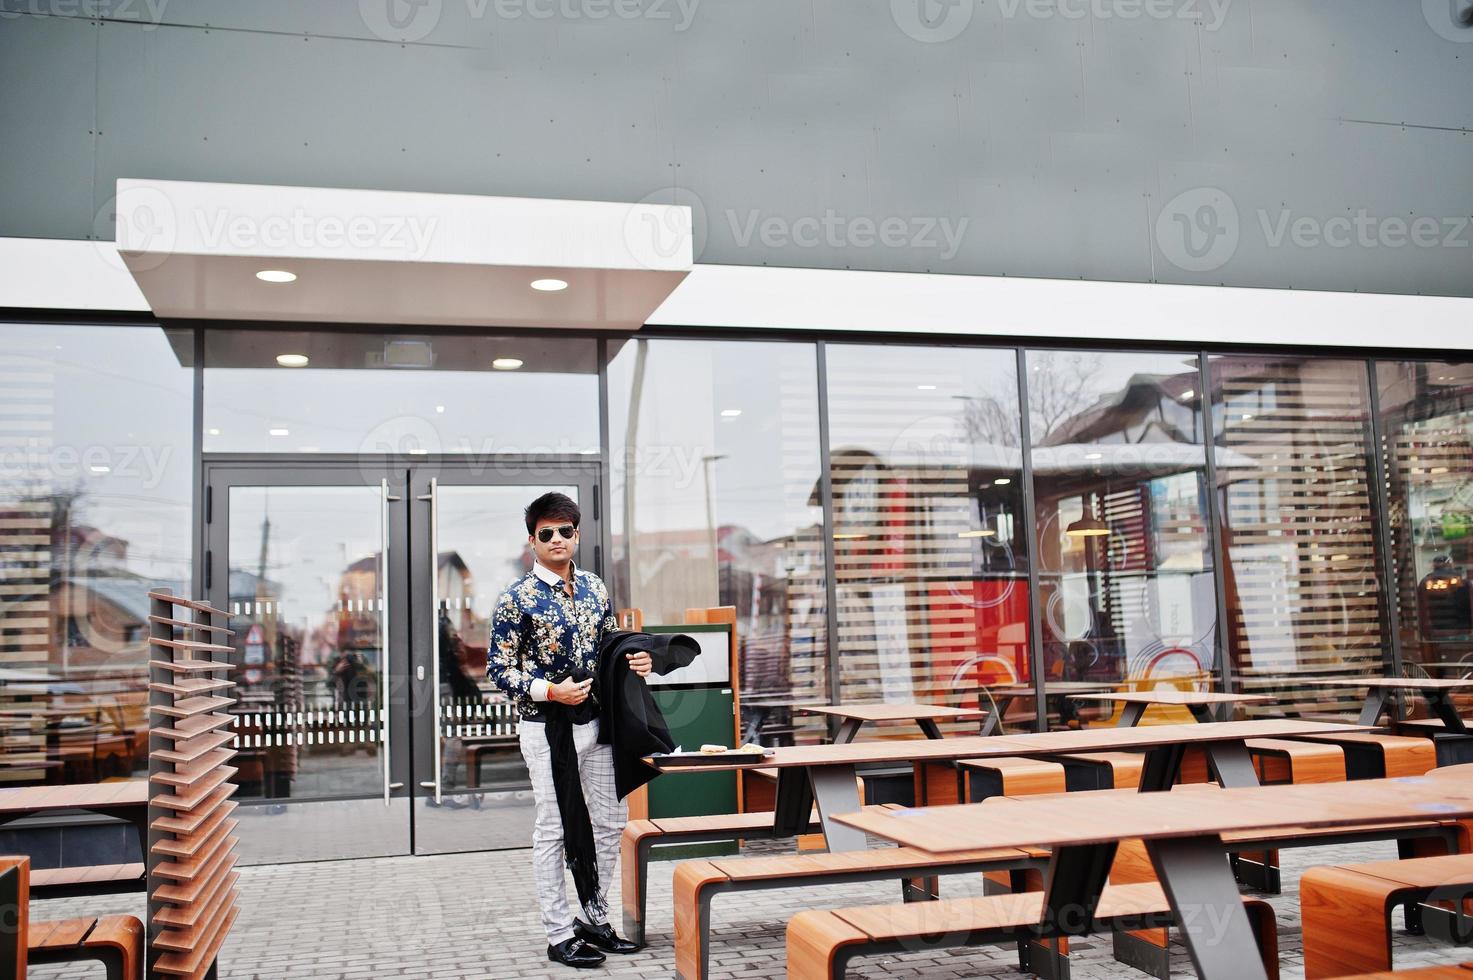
[(603, 936), (574, 952)]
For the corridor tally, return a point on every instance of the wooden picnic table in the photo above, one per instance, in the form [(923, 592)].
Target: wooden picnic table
[(825, 774), (1005, 696), (1183, 838), (853, 717), (125, 799), (1436, 691), (1201, 704)]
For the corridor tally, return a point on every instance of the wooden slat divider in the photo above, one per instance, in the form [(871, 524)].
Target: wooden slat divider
[(188, 750), (192, 884), (188, 821)]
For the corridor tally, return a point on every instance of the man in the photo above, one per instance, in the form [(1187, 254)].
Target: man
[(547, 626)]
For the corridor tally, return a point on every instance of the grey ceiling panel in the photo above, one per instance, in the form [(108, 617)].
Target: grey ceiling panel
[(1225, 142)]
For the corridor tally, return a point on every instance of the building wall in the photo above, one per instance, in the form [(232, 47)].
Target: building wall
[(1292, 143)]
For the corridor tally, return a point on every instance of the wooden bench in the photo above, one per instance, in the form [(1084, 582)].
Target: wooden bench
[(1285, 760), (822, 943), (1102, 770), (1346, 909), (1372, 756), (697, 883), (116, 941), (981, 779), (1453, 971), (641, 836), (94, 879)]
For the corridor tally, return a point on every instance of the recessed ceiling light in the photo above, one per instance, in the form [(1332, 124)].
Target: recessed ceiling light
[(849, 537), (100, 469), (214, 432), (983, 533), (1247, 416), (279, 432), (730, 413), (439, 409), (1094, 455), (276, 275), (292, 360), (925, 387), (1001, 481), (507, 363), (1188, 394), (549, 285)]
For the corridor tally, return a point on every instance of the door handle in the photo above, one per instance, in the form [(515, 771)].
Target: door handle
[(433, 499), (383, 626)]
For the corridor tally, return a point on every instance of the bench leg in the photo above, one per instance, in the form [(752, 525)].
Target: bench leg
[(920, 889), (634, 919), (1195, 876), (1145, 956)]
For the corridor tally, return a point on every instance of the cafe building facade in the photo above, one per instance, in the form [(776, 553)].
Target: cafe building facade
[(909, 487)]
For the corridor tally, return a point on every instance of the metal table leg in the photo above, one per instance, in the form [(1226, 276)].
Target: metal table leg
[(929, 727), (1195, 876), (1202, 712), (1374, 704), (1442, 706), (1233, 764), (835, 791), (793, 803), (1159, 772), (1131, 714), (847, 730)]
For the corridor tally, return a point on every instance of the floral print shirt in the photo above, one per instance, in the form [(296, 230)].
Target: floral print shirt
[(539, 632)]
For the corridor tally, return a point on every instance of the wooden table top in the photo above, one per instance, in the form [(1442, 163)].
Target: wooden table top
[(896, 712), (76, 796), (1039, 743), (1061, 821), (1173, 696), (1053, 687), (1401, 683)]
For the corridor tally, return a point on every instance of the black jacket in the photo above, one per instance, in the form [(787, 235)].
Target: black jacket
[(629, 719)]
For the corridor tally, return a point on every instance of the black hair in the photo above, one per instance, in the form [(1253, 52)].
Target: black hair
[(552, 506)]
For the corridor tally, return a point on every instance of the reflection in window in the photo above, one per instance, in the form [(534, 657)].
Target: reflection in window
[(95, 466), (402, 395), (931, 567), (1126, 589), (715, 458), (1299, 530), (1427, 426)]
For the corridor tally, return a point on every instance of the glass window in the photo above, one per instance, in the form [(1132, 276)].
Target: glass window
[(96, 431), (1427, 444), (325, 392), (1299, 528), (1126, 589), (931, 567), (716, 468)]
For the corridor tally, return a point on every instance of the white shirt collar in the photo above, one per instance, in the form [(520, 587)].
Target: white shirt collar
[(549, 576)]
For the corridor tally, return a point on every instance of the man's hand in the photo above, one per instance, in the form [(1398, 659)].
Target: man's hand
[(569, 691), (639, 662)]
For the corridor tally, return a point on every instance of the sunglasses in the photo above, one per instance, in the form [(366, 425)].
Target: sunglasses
[(566, 530)]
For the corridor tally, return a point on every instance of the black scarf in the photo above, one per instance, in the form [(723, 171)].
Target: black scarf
[(630, 720), (578, 847)]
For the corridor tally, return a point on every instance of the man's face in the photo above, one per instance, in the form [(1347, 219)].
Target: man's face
[(559, 550)]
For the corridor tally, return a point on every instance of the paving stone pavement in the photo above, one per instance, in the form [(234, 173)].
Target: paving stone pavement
[(474, 916)]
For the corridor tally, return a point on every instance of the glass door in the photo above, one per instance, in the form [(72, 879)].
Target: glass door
[(471, 791), (310, 563), (361, 597)]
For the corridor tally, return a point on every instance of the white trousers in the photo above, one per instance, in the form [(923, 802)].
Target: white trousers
[(607, 813)]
